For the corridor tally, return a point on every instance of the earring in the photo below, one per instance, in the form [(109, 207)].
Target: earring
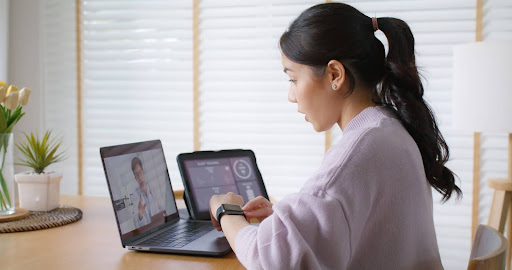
[(334, 86)]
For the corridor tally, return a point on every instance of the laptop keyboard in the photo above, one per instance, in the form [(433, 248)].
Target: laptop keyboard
[(178, 236)]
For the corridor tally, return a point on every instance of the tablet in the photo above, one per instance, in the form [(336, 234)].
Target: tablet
[(208, 173)]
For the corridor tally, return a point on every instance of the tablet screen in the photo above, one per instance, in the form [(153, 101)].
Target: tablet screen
[(208, 177)]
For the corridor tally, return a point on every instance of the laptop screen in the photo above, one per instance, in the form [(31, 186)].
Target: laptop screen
[(140, 187)]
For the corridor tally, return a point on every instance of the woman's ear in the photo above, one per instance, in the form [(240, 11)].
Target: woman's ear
[(336, 72)]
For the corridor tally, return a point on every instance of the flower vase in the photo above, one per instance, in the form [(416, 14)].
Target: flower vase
[(6, 174)]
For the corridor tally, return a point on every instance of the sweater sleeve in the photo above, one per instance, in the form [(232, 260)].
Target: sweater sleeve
[(298, 235)]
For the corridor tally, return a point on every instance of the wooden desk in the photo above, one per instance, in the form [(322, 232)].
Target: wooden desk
[(92, 243)]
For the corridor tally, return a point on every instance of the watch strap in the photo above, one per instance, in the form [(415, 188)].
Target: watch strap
[(229, 209)]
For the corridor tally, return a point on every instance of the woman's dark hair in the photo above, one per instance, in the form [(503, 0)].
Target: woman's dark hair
[(337, 31)]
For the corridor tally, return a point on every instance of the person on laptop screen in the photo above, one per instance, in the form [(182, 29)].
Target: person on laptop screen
[(149, 203)]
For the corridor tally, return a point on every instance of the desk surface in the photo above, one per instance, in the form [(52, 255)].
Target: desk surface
[(92, 243)]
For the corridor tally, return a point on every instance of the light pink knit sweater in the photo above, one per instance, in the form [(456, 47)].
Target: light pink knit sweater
[(368, 206)]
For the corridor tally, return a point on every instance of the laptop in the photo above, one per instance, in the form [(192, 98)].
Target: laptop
[(145, 208)]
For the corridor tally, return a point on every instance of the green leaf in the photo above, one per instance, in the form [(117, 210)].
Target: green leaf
[(25, 150), (35, 147), (3, 123), (2, 202), (45, 145), (40, 153), (11, 125), (5, 142), (45, 138), (12, 117), (4, 188)]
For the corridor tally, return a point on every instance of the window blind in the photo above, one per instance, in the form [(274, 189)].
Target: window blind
[(437, 26), (497, 20), (244, 92), (58, 72), (137, 80)]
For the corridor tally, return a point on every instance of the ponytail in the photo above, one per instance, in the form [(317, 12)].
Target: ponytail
[(339, 31), (402, 91)]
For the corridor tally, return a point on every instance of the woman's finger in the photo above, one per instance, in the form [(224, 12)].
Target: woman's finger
[(261, 212), (254, 203)]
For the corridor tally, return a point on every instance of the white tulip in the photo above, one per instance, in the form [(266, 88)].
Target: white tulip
[(11, 89), (11, 101), (24, 96), (3, 91)]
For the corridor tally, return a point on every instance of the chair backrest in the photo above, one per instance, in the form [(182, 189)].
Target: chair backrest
[(489, 249)]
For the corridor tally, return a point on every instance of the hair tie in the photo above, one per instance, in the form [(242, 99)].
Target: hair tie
[(375, 24)]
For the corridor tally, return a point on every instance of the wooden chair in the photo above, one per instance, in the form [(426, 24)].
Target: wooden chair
[(489, 250), (501, 211)]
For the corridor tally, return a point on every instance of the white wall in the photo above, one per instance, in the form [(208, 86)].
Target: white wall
[(23, 68), (4, 26), (57, 40)]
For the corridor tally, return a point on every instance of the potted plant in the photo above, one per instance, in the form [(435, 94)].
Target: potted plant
[(11, 102), (39, 190)]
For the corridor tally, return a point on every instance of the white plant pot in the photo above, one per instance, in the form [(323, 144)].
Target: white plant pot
[(39, 192)]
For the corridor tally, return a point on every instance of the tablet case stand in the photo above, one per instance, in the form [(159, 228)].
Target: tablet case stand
[(183, 214)]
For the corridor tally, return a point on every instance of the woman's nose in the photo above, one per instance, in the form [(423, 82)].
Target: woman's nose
[(291, 96)]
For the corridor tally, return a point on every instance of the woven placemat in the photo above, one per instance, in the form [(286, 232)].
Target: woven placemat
[(39, 220)]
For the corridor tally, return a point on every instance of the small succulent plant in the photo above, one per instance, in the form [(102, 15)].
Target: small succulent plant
[(40, 153)]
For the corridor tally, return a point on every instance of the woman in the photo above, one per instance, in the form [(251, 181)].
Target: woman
[(369, 205)]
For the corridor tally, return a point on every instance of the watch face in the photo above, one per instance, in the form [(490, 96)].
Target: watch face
[(232, 207)]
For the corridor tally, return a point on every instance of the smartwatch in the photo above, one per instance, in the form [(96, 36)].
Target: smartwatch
[(229, 209)]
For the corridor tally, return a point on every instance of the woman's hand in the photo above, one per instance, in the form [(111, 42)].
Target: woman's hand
[(217, 200), (259, 208)]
